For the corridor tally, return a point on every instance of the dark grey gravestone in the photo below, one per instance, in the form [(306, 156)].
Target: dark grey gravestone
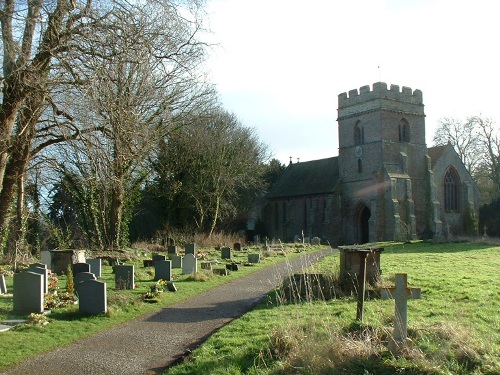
[(176, 261), (171, 286), (232, 267), (80, 277), (237, 246), (81, 267), (95, 266), (157, 257), (92, 297), (41, 271), (124, 277), (190, 248), (226, 253), (253, 258), (148, 262), (3, 286), (163, 270), (39, 265), (172, 249), (189, 264), (28, 293)]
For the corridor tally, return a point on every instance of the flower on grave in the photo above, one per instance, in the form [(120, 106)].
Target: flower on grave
[(37, 319), (159, 286), (52, 282)]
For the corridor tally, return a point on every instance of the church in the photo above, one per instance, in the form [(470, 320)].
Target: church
[(384, 185)]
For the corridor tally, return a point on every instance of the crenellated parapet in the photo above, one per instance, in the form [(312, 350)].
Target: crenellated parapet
[(381, 98)]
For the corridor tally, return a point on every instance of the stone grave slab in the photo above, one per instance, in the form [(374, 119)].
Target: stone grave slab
[(92, 297), (232, 267), (206, 266), (253, 258), (80, 277), (81, 267), (176, 260), (124, 276), (157, 257), (237, 246), (190, 248), (172, 249), (189, 264), (41, 271), (95, 266), (226, 253), (28, 293), (45, 258), (163, 270), (3, 286)]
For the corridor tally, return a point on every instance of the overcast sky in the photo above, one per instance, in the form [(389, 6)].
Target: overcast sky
[(281, 64)]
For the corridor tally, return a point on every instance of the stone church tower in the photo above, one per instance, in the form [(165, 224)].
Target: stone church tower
[(385, 184), (383, 162)]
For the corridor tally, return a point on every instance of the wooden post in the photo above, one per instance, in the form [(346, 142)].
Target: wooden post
[(361, 285), (401, 293)]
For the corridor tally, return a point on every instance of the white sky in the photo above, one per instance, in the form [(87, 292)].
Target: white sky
[(281, 64)]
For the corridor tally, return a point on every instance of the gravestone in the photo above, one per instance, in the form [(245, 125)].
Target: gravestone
[(316, 241), (124, 277), (95, 266), (400, 293), (60, 259), (253, 258), (157, 257), (45, 258), (28, 293), (232, 267), (41, 271), (206, 266), (176, 261), (220, 271), (3, 286), (80, 277), (190, 248), (237, 246), (226, 253), (163, 270), (92, 297), (172, 249), (189, 264), (148, 263), (80, 267)]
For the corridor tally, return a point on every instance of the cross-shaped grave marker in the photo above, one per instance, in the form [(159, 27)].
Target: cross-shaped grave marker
[(400, 293)]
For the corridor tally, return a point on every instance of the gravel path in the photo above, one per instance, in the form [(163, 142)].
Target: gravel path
[(150, 344)]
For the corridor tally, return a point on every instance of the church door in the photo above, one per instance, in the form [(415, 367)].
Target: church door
[(363, 228)]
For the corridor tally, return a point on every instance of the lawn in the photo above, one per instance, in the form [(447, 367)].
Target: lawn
[(453, 329)]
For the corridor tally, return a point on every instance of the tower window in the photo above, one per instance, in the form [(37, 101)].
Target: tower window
[(451, 190), (404, 131), (359, 134)]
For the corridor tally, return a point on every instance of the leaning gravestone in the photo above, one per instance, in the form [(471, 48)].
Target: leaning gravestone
[(124, 277), (28, 293), (41, 271), (163, 270), (189, 264), (176, 261), (253, 258), (81, 267), (190, 248), (3, 286), (95, 266), (92, 297), (226, 253)]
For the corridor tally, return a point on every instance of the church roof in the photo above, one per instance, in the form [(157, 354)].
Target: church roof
[(307, 178), (435, 153)]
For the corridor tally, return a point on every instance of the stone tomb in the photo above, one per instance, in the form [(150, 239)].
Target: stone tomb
[(176, 260), (42, 270), (190, 248), (3, 286), (92, 297), (28, 293), (95, 266), (189, 264), (226, 253), (124, 277), (163, 270), (60, 259), (80, 267), (253, 258)]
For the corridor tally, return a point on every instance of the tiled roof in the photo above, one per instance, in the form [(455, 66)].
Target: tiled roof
[(307, 178)]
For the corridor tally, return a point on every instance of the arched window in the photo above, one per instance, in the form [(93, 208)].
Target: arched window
[(451, 190), (404, 131), (359, 134)]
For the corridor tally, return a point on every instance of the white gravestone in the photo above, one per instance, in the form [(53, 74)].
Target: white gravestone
[(189, 264)]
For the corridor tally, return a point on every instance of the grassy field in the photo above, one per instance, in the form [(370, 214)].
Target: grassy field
[(67, 324), (453, 329)]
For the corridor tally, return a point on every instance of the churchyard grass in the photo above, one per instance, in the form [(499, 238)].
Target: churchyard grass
[(453, 329), (67, 324)]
